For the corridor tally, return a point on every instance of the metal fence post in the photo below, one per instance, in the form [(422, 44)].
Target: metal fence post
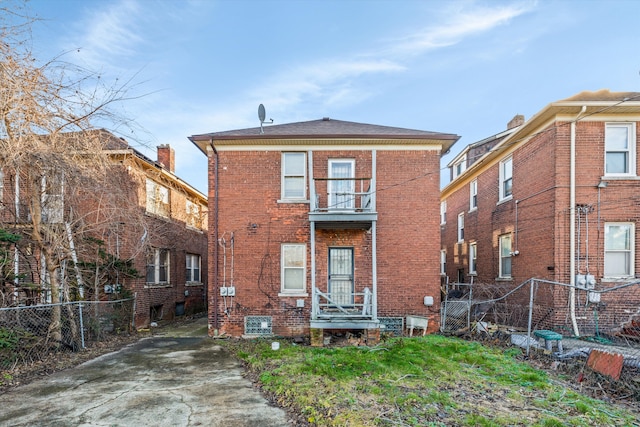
[(81, 326), (532, 282)]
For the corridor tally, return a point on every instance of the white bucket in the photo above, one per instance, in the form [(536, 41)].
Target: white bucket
[(275, 345)]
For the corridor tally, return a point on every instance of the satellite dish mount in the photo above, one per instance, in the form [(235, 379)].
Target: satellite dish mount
[(261, 116)]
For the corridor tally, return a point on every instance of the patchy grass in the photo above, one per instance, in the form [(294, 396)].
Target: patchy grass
[(424, 381)]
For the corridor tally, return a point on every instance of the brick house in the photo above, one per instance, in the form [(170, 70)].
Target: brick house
[(144, 216), (551, 198), (324, 224)]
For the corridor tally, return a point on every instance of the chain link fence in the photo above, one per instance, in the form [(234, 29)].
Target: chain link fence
[(32, 333), (581, 319)]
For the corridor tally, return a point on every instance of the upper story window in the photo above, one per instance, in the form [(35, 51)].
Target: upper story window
[(620, 149), (505, 256), (473, 258), (294, 257), (193, 268), (460, 227), (194, 214), (443, 212), (473, 195), (460, 167), (52, 198), (618, 250), (506, 178), (158, 266), (443, 262), (1, 184), (294, 176), (157, 199)]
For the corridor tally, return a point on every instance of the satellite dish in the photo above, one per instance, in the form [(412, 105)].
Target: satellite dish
[(261, 116)]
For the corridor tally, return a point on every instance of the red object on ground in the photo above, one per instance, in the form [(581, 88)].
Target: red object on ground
[(606, 363)]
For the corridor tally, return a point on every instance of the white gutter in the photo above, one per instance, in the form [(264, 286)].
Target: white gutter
[(572, 226)]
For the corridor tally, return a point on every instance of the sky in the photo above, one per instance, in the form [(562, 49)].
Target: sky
[(463, 67)]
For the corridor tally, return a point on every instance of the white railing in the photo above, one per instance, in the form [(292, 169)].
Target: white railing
[(328, 305)]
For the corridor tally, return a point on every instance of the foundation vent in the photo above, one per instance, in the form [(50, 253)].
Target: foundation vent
[(392, 325), (257, 325)]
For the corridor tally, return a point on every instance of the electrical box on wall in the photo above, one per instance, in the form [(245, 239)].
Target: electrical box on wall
[(585, 281), (231, 291), (428, 301), (223, 291)]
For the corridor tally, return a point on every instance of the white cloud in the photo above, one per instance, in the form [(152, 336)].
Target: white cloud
[(107, 36), (462, 23)]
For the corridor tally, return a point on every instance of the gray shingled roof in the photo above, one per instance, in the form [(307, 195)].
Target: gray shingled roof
[(326, 128), (603, 95)]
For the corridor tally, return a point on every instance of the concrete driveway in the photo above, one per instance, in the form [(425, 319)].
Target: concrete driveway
[(178, 378)]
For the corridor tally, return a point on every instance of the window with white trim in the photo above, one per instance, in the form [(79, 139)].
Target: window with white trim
[(620, 149), (618, 249), (1, 183), (460, 167), (473, 195), (473, 257), (505, 256), (293, 262), (157, 199), (294, 174), (443, 262), (506, 178), (157, 266), (443, 212), (461, 227), (193, 268)]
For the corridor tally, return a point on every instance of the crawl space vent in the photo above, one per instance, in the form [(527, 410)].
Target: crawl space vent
[(257, 325), (392, 325)]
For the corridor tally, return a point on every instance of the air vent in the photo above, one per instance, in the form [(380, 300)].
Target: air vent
[(257, 325), (392, 325)]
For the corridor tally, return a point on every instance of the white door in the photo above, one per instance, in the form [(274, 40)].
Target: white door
[(341, 276), (342, 184)]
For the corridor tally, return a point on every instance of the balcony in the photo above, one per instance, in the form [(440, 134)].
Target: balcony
[(343, 310), (338, 203)]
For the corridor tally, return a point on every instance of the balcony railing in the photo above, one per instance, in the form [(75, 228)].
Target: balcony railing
[(343, 305), (342, 194), (343, 203)]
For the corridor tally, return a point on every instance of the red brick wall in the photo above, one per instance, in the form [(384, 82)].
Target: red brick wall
[(249, 188), (541, 187)]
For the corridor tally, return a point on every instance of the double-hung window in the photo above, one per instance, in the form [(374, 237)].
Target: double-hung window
[(473, 195), (505, 256), (620, 151), (473, 257), (158, 266), (443, 212), (193, 268), (506, 178), (293, 273), (157, 199), (618, 249), (461, 227), (293, 176), (443, 262)]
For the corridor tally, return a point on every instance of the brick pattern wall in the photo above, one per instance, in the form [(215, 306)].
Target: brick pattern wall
[(249, 190), (541, 198)]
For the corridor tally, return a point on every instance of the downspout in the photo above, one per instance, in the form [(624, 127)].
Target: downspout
[(572, 226), (216, 325)]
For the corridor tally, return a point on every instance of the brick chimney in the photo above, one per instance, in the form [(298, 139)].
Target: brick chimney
[(167, 156), (516, 121)]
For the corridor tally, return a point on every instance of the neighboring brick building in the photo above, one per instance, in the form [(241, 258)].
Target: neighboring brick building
[(323, 224), (509, 214), (144, 216)]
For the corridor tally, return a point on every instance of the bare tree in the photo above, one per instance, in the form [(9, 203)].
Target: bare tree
[(63, 180)]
